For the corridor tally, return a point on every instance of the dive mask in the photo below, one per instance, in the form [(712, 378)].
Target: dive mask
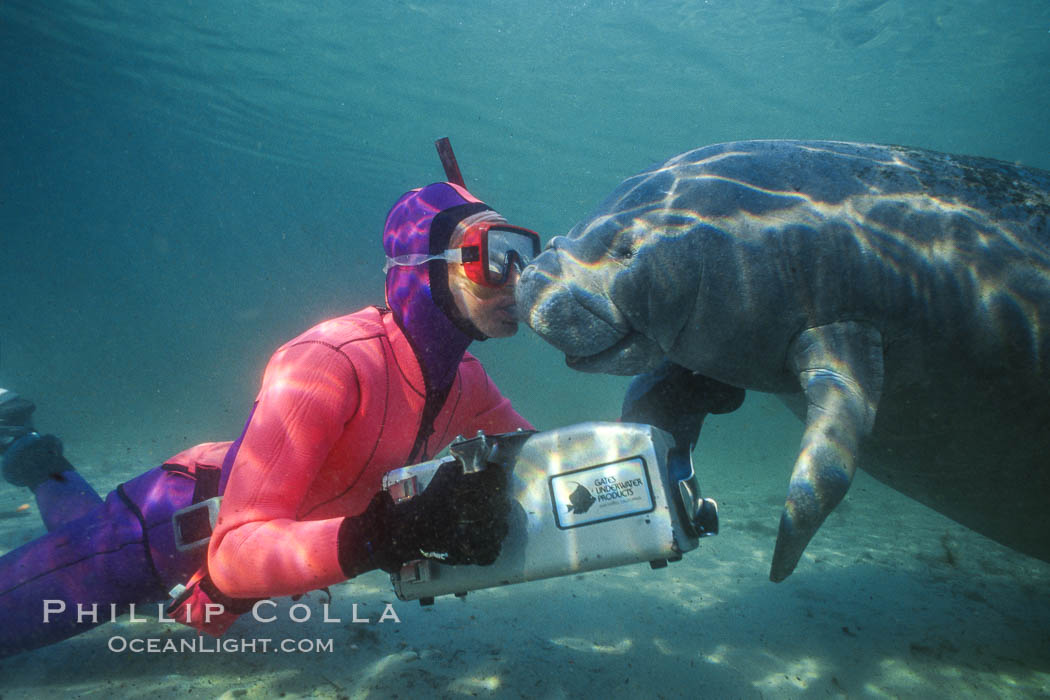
[(488, 251)]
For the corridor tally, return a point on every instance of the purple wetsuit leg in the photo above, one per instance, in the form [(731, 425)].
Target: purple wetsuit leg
[(63, 498), (120, 552)]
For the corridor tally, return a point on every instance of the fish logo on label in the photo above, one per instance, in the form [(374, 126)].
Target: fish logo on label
[(580, 500)]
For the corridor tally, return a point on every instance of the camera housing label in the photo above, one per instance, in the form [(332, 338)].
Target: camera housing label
[(600, 493)]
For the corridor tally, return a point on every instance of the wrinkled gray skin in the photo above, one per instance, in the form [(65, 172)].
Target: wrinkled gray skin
[(899, 298)]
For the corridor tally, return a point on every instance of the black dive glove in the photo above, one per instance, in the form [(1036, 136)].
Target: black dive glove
[(458, 519), (15, 417), (26, 457)]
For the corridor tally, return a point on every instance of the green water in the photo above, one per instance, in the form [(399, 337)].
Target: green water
[(185, 185)]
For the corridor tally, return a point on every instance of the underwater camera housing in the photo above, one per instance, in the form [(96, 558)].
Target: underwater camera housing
[(584, 497)]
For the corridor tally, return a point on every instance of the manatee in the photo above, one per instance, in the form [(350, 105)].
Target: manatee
[(897, 298)]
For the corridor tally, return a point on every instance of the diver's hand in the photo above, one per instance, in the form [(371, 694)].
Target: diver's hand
[(458, 519)]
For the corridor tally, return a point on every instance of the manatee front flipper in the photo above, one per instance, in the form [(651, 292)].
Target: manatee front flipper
[(677, 400), (840, 369)]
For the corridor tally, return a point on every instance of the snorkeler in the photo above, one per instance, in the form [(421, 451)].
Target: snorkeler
[(301, 500)]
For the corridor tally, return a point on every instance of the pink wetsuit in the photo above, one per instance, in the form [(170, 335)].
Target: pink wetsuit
[(339, 406)]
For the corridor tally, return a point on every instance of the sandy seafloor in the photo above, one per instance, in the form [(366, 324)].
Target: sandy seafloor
[(186, 185), (891, 600)]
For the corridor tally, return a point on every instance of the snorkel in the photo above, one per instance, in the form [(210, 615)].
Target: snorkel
[(448, 161)]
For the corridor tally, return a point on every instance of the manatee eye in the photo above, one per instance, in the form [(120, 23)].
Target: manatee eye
[(624, 248)]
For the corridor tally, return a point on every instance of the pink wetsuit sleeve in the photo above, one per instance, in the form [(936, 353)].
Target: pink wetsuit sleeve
[(259, 549)]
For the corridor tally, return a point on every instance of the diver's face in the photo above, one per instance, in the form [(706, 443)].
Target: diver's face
[(492, 310)]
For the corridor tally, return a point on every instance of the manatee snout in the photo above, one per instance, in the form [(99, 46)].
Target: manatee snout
[(539, 294), (556, 298), (535, 299)]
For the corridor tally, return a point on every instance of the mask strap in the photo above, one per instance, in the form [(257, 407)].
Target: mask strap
[(454, 255)]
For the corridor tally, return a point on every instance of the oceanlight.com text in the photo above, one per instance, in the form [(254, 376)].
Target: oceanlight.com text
[(211, 645)]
